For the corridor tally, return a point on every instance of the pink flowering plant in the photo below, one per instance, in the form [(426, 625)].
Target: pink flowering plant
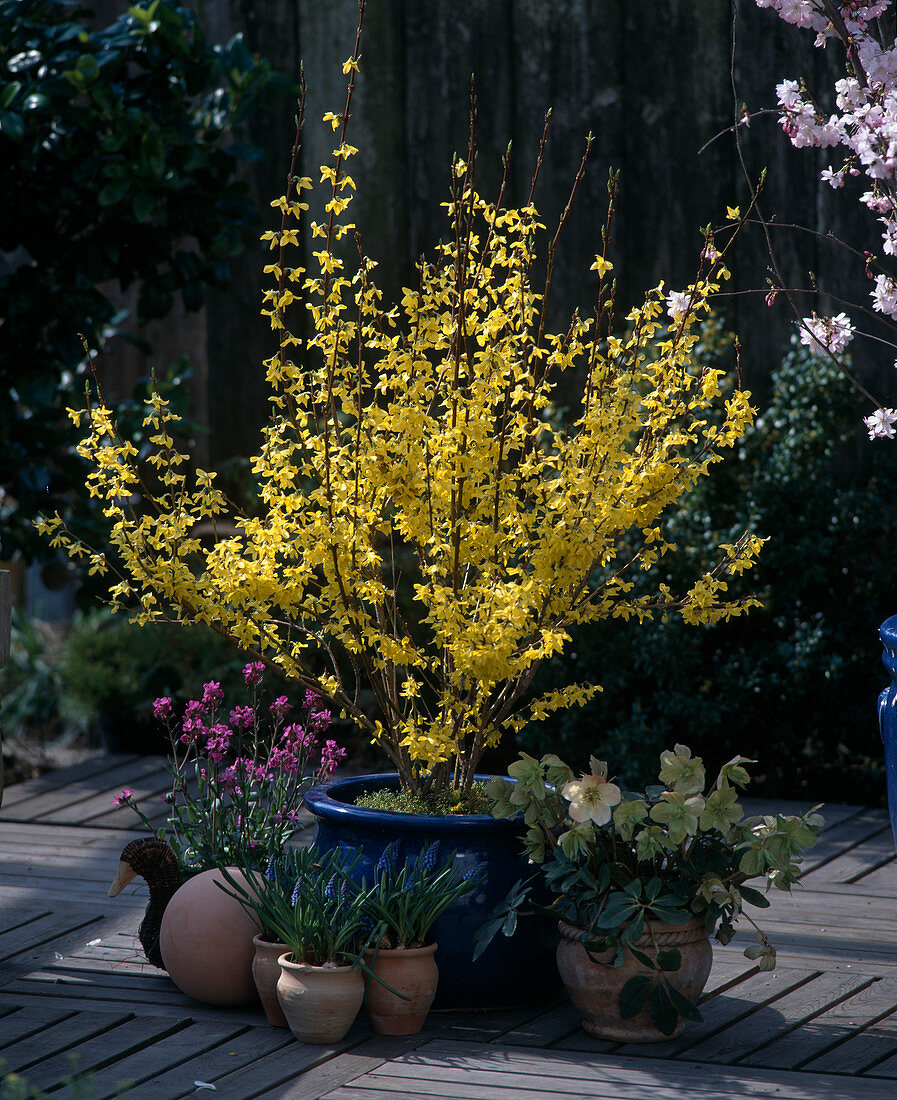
[(863, 129), (616, 861), (239, 776)]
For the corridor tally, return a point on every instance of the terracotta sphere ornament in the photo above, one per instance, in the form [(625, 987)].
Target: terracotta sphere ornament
[(206, 942)]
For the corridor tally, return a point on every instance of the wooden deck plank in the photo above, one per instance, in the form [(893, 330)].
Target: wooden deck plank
[(86, 1056), (21, 1023), (480, 1027), (829, 1029), (246, 1049), (94, 767), (867, 856), (66, 836), (44, 930), (76, 1028), (165, 1055), (57, 799), (724, 1011), (883, 878), (886, 1067), (284, 1066), (548, 1028), (776, 1017), (15, 917), (367, 1056), (841, 833), (512, 1073), (100, 808), (862, 1052)]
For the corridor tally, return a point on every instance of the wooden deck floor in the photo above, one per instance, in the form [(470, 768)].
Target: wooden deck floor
[(823, 1026)]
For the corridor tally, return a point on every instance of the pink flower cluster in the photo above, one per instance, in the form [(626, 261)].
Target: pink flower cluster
[(823, 334), (866, 126)]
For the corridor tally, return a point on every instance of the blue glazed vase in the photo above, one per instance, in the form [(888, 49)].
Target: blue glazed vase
[(887, 715), (511, 972)]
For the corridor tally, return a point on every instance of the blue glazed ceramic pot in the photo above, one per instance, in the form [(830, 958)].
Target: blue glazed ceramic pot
[(511, 972), (887, 715)]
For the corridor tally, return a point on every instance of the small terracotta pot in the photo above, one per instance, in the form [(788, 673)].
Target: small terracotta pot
[(320, 1003), (594, 987), (410, 970), (206, 942), (266, 974)]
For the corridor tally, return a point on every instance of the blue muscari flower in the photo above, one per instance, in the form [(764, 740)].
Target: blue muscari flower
[(330, 888), (294, 900), (269, 871), (431, 854), (475, 872), (388, 859)]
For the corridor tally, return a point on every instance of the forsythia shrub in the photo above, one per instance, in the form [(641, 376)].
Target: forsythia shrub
[(415, 449)]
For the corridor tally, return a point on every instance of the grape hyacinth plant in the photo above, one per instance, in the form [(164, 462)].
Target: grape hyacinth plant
[(239, 777), (308, 900), (408, 897)]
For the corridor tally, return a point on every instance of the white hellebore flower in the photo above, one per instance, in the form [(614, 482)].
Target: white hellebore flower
[(591, 798)]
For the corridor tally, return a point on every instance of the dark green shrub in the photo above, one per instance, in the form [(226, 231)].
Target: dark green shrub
[(793, 684), (98, 680), (119, 169)]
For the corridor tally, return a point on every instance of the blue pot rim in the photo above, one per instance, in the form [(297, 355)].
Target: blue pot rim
[(333, 802)]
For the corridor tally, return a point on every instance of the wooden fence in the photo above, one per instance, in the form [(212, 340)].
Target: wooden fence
[(652, 81)]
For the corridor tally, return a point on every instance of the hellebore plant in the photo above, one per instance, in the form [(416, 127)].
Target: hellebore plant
[(238, 780), (429, 532), (616, 861)]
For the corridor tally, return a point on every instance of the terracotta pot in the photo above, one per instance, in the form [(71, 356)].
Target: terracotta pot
[(410, 970), (206, 942), (320, 1002), (594, 987), (265, 974)]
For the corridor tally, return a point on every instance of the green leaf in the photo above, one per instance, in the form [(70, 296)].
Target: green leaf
[(143, 206), (755, 897), (35, 102), (113, 193), (87, 66), (617, 911), (644, 959), (633, 996), (9, 93), (686, 1008), (12, 125), (670, 959), (663, 1012), (670, 913)]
